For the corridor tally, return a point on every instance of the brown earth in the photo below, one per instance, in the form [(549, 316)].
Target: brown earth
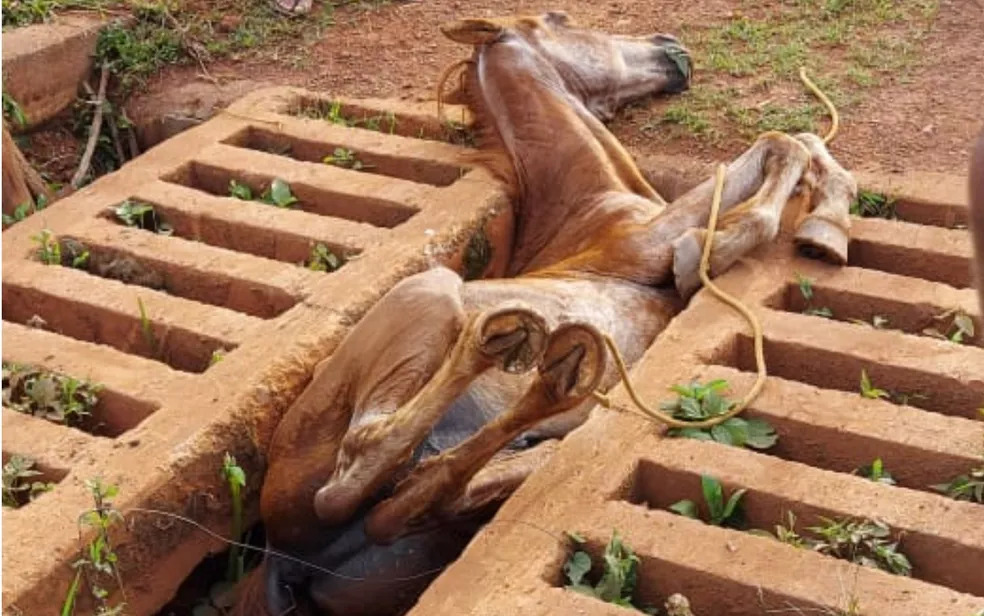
[(921, 118)]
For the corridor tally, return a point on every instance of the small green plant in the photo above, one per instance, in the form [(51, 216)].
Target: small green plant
[(876, 472), (216, 356), (619, 572), (346, 159), (966, 487), (52, 251), (873, 205), (806, 290), (955, 325), (786, 533), (55, 397), (141, 215), (18, 484), (870, 391), (98, 561), (376, 122), (49, 249), (720, 512), (147, 330), (865, 542), (11, 108), (235, 478), (240, 191), (278, 193), (696, 402), (322, 259), (137, 50), (24, 210)]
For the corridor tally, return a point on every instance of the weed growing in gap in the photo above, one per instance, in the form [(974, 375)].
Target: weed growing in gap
[(235, 478), (721, 512), (24, 210), (51, 251), (141, 215), (876, 472), (784, 533), (966, 487), (18, 487), (806, 290), (322, 259), (870, 391), (873, 205), (277, 194), (55, 397), (696, 402), (147, 330), (959, 329), (331, 111), (345, 159), (865, 542), (98, 562), (619, 573), (216, 356)]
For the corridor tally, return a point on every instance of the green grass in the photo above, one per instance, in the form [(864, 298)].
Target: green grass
[(748, 67), (18, 13)]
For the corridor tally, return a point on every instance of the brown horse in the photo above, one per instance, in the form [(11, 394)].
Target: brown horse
[(977, 214), (415, 428)]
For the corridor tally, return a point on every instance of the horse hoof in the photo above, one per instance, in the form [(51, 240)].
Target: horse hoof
[(513, 338), (820, 239), (574, 361)]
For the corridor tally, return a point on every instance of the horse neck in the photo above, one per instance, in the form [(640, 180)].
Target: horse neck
[(558, 169)]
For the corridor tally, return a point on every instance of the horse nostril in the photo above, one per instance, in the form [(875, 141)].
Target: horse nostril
[(680, 59)]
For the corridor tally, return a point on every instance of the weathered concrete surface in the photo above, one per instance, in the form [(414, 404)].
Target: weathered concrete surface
[(228, 278), (618, 471), (169, 113), (64, 48)]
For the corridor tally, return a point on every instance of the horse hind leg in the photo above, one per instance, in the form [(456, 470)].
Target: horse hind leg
[(510, 336), (571, 369)]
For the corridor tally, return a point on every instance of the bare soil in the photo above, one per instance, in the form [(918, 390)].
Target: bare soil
[(923, 117)]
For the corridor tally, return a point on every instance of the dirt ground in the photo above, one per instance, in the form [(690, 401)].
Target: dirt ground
[(920, 113)]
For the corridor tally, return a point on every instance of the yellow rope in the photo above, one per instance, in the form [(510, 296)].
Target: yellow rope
[(834, 116), (442, 80), (705, 259)]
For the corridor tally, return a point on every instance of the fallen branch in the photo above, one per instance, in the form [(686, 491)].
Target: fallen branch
[(107, 111), (94, 130)]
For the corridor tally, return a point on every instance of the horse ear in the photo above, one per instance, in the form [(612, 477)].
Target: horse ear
[(472, 31)]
